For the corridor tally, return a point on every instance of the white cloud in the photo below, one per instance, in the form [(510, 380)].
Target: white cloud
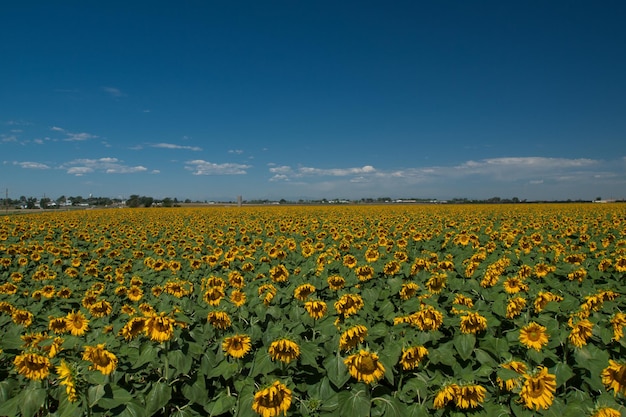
[(200, 167), (236, 151), (174, 146), (32, 165), (106, 165), (9, 138), (73, 137), (78, 137), (79, 171), (494, 172)]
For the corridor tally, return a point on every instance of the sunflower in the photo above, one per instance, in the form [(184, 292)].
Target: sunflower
[(473, 323), (391, 268), (460, 299), (102, 360), (618, 321), (23, 317), (77, 324), (470, 396), (513, 285), (159, 328), (533, 336), (538, 390), (134, 327), (371, 255), (89, 299), (67, 378), (134, 293), (284, 350), (236, 280), (32, 366), (606, 412), (578, 275), (237, 346), (272, 401), (238, 298), (437, 282), (614, 377), (349, 304), (213, 295), (365, 367), (428, 318), (101, 308), (542, 269), (364, 273), (514, 307), (412, 356), (349, 261), (146, 309), (336, 282), (57, 325), (55, 347), (48, 291), (620, 264), (219, 319), (580, 333), (352, 337), (156, 290), (512, 383), (316, 309), (267, 292), (128, 310), (279, 273), (408, 290), (445, 395), (71, 272), (303, 291)]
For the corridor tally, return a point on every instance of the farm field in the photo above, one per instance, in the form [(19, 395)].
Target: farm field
[(394, 310)]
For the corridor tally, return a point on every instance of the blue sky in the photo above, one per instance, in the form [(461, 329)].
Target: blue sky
[(209, 100)]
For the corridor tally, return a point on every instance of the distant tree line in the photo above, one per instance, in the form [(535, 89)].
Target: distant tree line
[(137, 200)]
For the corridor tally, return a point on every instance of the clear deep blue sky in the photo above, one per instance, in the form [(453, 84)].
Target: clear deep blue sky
[(209, 100)]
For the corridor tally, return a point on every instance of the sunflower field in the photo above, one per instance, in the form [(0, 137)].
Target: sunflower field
[(391, 310)]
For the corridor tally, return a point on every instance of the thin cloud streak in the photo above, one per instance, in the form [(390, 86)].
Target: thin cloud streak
[(201, 167), (113, 92), (174, 146), (73, 137), (507, 169), (31, 165)]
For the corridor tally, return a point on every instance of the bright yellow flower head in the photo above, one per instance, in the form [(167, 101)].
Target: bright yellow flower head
[(284, 350), (67, 379), (412, 356), (316, 309), (159, 328), (352, 337), (470, 396), (32, 366), (445, 395), (533, 336), (538, 390), (365, 367), (272, 401), (237, 346), (76, 323), (102, 360), (614, 377), (473, 323)]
